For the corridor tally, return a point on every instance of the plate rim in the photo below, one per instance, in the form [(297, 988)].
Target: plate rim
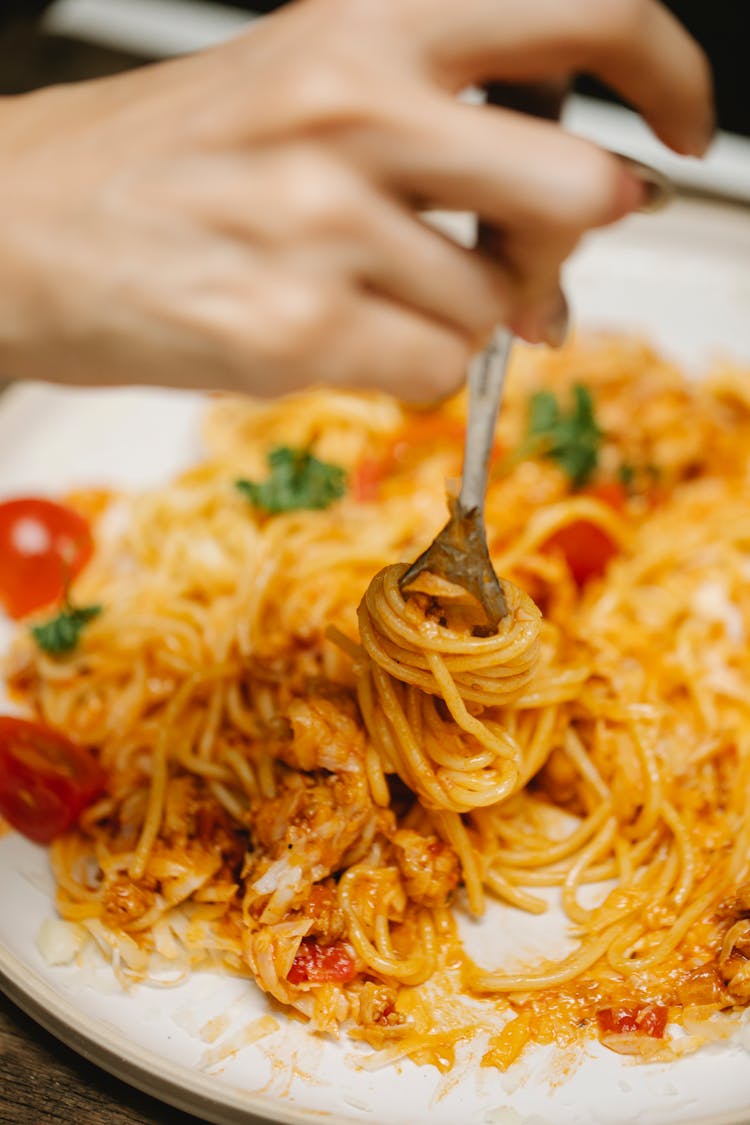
[(181, 1087)]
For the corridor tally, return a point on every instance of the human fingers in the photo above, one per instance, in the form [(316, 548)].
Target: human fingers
[(508, 168), (325, 219), (538, 310), (353, 337), (637, 47), (409, 262), (394, 349)]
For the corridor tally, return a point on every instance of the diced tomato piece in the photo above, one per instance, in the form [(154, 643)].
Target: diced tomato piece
[(421, 432), (610, 492), (586, 547), (322, 964), (367, 479), (427, 430), (43, 546), (46, 781), (642, 1019)]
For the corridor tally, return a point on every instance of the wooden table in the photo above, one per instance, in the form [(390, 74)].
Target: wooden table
[(43, 1082)]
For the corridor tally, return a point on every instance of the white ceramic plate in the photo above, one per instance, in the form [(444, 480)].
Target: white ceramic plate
[(683, 278)]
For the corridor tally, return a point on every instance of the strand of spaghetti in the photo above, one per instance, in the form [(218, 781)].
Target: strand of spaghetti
[(632, 893), (376, 779), (408, 970), (648, 886), (213, 717), (228, 800), (738, 865), (601, 842), (65, 851), (239, 714), (504, 890), (588, 953), (410, 762), (402, 622), (583, 763), (555, 876), (730, 938), (266, 776), (405, 648), (624, 860), (402, 647), (382, 736), (538, 748), (544, 852), (242, 770), (671, 939), (561, 687), (451, 828), (158, 781), (651, 804), (454, 701), (686, 852), (199, 766)]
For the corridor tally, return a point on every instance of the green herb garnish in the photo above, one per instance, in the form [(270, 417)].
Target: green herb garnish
[(626, 475), (296, 480), (638, 478), (571, 439), (60, 634)]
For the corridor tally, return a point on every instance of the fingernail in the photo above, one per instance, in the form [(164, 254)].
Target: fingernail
[(702, 139), (556, 322), (658, 190)]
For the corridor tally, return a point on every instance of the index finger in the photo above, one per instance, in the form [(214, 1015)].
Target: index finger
[(637, 47)]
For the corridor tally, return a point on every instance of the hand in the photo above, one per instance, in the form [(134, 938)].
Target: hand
[(248, 217)]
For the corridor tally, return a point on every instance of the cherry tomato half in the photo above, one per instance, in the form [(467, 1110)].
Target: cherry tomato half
[(422, 432), (43, 546), (46, 781), (586, 546), (322, 964), (587, 549)]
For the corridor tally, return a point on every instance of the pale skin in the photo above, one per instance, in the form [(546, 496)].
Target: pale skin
[(249, 218)]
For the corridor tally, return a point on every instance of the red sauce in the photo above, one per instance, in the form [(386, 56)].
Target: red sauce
[(322, 964)]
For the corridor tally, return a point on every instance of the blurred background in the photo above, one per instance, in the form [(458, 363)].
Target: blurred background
[(45, 41)]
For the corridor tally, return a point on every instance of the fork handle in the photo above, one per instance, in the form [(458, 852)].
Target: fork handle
[(485, 381)]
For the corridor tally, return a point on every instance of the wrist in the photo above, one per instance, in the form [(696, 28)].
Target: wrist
[(23, 304)]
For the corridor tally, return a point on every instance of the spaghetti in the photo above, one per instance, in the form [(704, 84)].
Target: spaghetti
[(299, 790)]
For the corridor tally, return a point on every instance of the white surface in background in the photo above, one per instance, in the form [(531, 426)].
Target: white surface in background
[(681, 277), (724, 171), (149, 27)]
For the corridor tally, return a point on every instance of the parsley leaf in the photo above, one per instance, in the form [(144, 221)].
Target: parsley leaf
[(626, 475), (297, 480), (61, 633), (571, 439)]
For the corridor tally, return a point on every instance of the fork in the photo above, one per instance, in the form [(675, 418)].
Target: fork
[(459, 552)]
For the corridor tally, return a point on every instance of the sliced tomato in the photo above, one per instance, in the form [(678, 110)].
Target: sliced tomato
[(427, 430), (322, 964), (43, 546), (642, 1019), (611, 492), (367, 478), (421, 431), (587, 548), (46, 781)]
